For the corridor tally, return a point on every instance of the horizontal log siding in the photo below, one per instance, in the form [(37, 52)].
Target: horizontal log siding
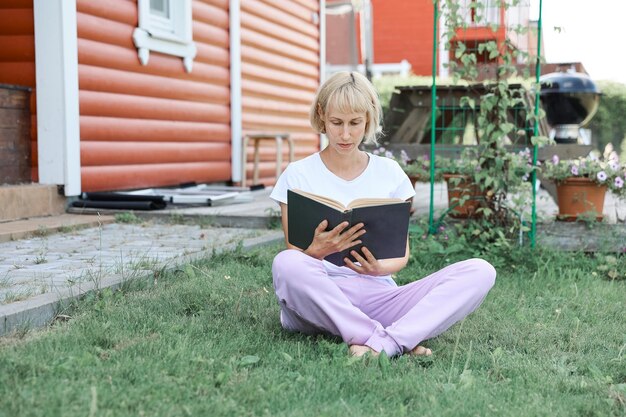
[(154, 125), (17, 57), (280, 74)]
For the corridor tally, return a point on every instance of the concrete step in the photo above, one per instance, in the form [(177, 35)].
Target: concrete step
[(41, 226), (30, 200)]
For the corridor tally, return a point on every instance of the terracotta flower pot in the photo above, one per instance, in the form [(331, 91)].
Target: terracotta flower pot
[(459, 187), (577, 196)]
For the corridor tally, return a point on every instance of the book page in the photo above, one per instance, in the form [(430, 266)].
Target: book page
[(324, 200), (366, 202)]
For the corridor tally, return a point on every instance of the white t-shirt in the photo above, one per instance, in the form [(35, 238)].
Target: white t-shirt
[(382, 178)]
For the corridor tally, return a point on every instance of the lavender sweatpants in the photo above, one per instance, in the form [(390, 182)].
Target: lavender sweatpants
[(365, 311)]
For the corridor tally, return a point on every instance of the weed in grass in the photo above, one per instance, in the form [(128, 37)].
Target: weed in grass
[(41, 231), (13, 296), (41, 253), (67, 228), (205, 221), (274, 221), (5, 281), (22, 330), (589, 218), (612, 267), (40, 259), (130, 269), (128, 217), (176, 218)]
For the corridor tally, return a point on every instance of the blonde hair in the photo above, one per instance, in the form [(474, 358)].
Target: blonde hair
[(347, 92)]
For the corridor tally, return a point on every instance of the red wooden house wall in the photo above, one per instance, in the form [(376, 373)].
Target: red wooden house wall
[(280, 60), (157, 125), (17, 57), (152, 125)]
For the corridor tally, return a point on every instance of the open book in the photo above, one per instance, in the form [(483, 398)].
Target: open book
[(386, 222)]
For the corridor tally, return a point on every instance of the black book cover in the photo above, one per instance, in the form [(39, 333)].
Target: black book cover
[(386, 225)]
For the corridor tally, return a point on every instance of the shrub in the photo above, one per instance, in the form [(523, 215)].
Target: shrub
[(609, 124)]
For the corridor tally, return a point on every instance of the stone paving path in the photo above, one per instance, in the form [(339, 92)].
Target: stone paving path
[(42, 270)]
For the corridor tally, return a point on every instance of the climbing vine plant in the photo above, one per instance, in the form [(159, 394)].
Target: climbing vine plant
[(493, 66)]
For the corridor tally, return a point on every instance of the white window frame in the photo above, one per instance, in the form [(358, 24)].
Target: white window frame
[(489, 11), (171, 36)]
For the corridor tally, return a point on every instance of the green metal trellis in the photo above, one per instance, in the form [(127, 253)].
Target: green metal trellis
[(454, 119)]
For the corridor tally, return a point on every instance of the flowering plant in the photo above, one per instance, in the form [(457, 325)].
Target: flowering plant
[(602, 171), (417, 168), (463, 164), (514, 168)]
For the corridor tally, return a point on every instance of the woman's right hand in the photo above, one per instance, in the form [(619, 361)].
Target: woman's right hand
[(335, 240)]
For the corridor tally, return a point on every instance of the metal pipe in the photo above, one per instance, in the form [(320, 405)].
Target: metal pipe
[(533, 227), (433, 115)]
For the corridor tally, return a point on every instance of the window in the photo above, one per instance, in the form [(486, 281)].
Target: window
[(165, 26), (480, 12)]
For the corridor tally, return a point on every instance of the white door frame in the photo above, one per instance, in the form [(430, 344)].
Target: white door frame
[(56, 63), (236, 108)]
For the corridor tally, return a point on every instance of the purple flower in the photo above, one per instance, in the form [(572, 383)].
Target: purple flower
[(619, 182), (404, 157), (574, 170), (555, 159), (389, 154), (602, 176), (614, 165)]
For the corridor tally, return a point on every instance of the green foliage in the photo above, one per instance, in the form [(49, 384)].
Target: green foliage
[(127, 217), (457, 241), (496, 170), (609, 124), (613, 268), (273, 218), (177, 218)]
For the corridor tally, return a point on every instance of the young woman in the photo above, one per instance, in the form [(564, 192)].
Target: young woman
[(360, 302)]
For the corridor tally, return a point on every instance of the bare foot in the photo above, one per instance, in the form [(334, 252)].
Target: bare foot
[(360, 350), (420, 351)]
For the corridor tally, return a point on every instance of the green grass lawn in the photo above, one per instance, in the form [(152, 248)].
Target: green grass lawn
[(205, 340)]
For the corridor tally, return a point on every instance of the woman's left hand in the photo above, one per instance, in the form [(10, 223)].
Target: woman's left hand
[(369, 264)]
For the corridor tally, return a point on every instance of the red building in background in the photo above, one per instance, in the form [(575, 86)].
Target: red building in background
[(403, 31)]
